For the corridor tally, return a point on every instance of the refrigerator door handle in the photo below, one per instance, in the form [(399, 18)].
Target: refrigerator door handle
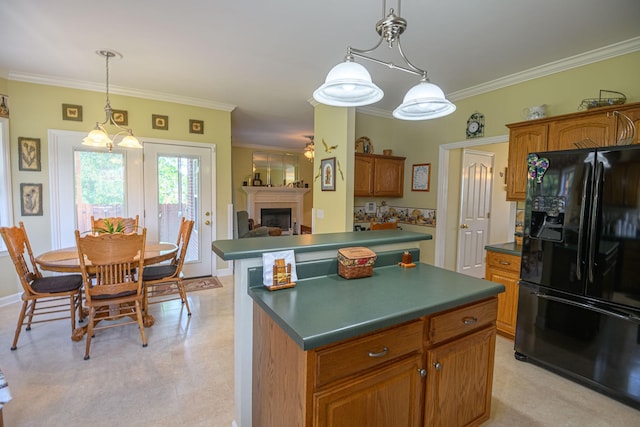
[(585, 184), (620, 315), (593, 234)]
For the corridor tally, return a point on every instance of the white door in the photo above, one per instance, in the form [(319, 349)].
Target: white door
[(475, 211), (178, 183)]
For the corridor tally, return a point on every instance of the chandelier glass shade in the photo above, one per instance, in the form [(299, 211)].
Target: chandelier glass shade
[(99, 136), (310, 148), (350, 85)]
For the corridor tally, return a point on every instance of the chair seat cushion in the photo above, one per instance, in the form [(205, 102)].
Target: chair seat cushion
[(56, 284), (158, 272)]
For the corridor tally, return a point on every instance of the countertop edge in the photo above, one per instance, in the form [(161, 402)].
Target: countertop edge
[(510, 248), (229, 250)]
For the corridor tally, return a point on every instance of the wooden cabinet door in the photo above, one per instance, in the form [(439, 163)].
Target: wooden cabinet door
[(634, 115), (507, 301), (390, 396), (599, 128), (388, 178), (505, 269), (363, 176), (459, 380), (522, 141)]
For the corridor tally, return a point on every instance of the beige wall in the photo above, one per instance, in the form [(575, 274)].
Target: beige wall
[(334, 209), (241, 158), (37, 108)]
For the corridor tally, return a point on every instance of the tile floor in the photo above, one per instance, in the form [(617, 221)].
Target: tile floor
[(185, 376)]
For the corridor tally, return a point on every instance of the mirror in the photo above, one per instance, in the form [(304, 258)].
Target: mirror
[(275, 169)]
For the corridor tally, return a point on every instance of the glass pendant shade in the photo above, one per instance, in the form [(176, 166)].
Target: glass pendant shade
[(424, 101), (348, 84), (97, 138), (130, 141)]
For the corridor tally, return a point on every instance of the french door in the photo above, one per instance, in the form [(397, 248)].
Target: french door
[(178, 183), (169, 181)]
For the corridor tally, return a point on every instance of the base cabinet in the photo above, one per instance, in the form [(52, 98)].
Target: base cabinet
[(460, 376), (433, 371), (390, 396), (505, 269)]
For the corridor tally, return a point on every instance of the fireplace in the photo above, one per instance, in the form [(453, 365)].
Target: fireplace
[(276, 217)]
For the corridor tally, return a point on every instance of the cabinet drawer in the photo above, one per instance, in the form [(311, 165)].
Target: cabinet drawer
[(504, 261), (359, 354), (462, 320)]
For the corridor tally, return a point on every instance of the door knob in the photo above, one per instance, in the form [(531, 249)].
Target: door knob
[(438, 366), (207, 222), (464, 226), (207, 213)]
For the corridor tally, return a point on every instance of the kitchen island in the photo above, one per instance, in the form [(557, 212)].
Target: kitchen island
[(399, 309)]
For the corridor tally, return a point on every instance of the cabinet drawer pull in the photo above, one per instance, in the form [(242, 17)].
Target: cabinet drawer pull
[(505, 263), (438, 366), (381, 354), (470, 320)]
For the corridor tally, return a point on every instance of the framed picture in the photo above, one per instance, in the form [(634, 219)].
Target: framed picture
[(29, 154), (328, 169), (31, 199), (4, 106), (421, 177), (196, 126), (72, 112), (159, 122), (121, 117)]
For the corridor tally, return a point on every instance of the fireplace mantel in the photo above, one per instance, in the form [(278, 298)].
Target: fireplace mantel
[(275, 197)]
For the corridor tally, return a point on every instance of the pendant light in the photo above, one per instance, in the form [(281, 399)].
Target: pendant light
[(350, 85), (99, 136), (310, 148)]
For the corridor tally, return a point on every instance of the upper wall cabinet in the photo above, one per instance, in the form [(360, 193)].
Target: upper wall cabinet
[(378, 176), (596, 127)]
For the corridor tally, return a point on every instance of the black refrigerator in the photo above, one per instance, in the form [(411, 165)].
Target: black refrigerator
[(579, 293)]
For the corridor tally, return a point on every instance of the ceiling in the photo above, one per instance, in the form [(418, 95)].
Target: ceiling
[(264, 59)]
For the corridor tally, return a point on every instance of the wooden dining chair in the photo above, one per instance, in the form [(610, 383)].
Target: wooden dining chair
[(42, 297), (170, 273), (115, 224), (112, 267)]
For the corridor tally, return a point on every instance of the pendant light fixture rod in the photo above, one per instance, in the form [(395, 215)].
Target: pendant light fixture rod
[(414, 70)]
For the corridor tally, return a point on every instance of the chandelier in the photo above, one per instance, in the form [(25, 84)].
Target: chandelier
[(310, 148), (99, 136), (349, 84)]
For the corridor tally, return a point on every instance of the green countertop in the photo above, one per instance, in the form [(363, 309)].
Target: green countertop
[(254, 247), (328, 309), (506, 248)]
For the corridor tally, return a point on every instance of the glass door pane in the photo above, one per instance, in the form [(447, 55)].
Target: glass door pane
[(100, 185), (178, 194)]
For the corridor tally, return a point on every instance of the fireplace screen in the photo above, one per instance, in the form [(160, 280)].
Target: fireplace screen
[(276, 217)]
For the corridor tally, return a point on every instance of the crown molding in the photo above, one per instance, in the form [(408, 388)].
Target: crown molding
[(596, 55), (119, 90)]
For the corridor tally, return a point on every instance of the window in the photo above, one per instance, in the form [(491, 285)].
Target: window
[(6, 214)]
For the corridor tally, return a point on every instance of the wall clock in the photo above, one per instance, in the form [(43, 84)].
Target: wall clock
[(475, 125)]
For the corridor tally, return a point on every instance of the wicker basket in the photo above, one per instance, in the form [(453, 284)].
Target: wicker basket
[(356, 262)]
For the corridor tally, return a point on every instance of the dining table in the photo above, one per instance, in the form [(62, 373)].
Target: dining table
[(66, 260)]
